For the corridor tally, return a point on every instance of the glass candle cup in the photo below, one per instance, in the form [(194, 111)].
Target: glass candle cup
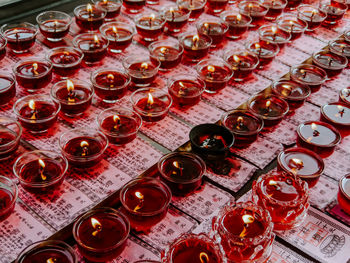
[(195, 7), (8, 195), (293, 4), (237, 23), (265, 51), (273, 35), (119, 35), (3, 44), (254, 9), (275, 7), (311, 15), (334, 10), (89, 17), (112, 7), (168, 52), (7, 88), (196, 47), (338, 115), (242, 63), (10, 136), (291, 24), (54, 25), (332, 63), (308, 74), (134, 6), (175, 18), (340, 47), (216, 6), (149, 25), (213, 27), (344, 193), (344, 95)]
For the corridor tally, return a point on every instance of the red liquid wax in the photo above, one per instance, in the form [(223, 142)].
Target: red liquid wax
[(111, 89), (186, 94), (175, 19), (54, 29), (313, 20), (265, 51), (7, 89), (195, 7), (310, 75), (330, 62), (134, 6), (217, 80), (112, 8), (93, 52), (275, 8), (169, 57), (140, 75), (6, 199), (151, 113), (245, 66), (292, 4), (216, 6), (65, 63), (335, 12), (7, 138), (74, 102), (150, 29), (216, 31), (236, 26), (20, 39), (195, 51), (120, 40), (2, 47), (90, 21)]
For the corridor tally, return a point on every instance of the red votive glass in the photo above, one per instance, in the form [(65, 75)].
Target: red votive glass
[(36, 113), (237, 23), (120, 125), (244, 230), (20, 36), (182, 172), (54, 25), (48, 251), (110, 85), (168, 52), (270, 108), (215, 73), (306, 164), (149, 26), (253, 9), (145, 202), (141, 69), (242, 63), (3, 44), (216, 6), (293, 4), (244, 125), (272, 34), (275, 8), (332, 63), (83, 148), (119, 35), (66, 61), (265, 51), (292, 92), (151, 103), (10, 135), (196, 47), (347, 2), (213, 27), (344, 95), (195, 7), (284, 196), (193, 248), (7, 88), (308, 74), (101, 234), (33, 74), (112, 7), (40, 172), (175, 18), (8, 197), (134, 6), (340, 47), (93, 45), (185, 90), (73, 96), (319, 137), (344, 193), (291, 24), (89, 17), (311, 15), (334, 10), (338, 115)]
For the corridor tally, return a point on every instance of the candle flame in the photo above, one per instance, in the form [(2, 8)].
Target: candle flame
[(96, 225), (31, 104), (240, 119), (140, 197), (291, 22), (313, 126), (150, 100), (84, 144), (163, 50), (65, 53), (195, 38), (203, 257), (105, 2), (42, 167), (236, 58), (171, 10), (35, 68), (286, 86), (257, 46), (274, 29), (110, 76), (206, 25), (144, 65), (152, 16), (248, 219), (116, 118), (239, 17), (41, 163), (250, 6), (96, 40), (176, 164), (340, 108), (297, 163), (89, 8), (340, 112), (211, 68), (272, 182), (181, 85), (115, 30), (268, 103), (51, 260), (70, 85), (314, 12)]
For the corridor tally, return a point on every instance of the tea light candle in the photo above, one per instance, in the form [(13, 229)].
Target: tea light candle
[(145, 202), (344, 95), (134, 6), (83, 148), (319, 137), (36, 113), (338, 115), (306, 164), (253, 9), (216, 6), (182, 172), (270, 108), (20, 36), (185, 90), (332, 63), (10, 135), (340, 47), (308, 74), (8, 197), (273, 35), (89, 17), (54, 25), (73, 96), (195, 7), (152, 104), (334, 10), (242, 63), (214, 28), (312, 16), (110, 85), (175, 18), (7, 88), (119, 35), (3, 43), (196, 47), (275, 8), (101, 234), (237, 23), (265, 51), (344, 193), (112, 7), (244, 125), (33, 74), (120, 125), (291, 24), (284, 196), (149, 26)]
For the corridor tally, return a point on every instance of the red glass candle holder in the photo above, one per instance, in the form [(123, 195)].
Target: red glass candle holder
[(312, 16), (151, 103), (185, 90), (89, 17), (120, 125), (216, 6), (293, 4), (141, 69), (340, 47), (149, 26), (253, 9), (182, 172), (242, 63), (196, 47), (284, 196), (270, 108), (347, 2), (134, 6), (244, 230), (83, 148), (344, 95), (93, 45), (168, 52), (306, 164), (272, 34), (195, 7), (332, 63), (66, 61), (291, 24), (112, 7), (10, 135), (54, 25), (214, 28), (292, 92), (193, 248), (145, 202), (7, 88), (101, 234), (334, 10), (20, 36), (110, 85), (73, 96), (338, 115), (49, 251), (308, 74), (344, 193), (215, 73), (8, 195), (265, 51), (237, 23), (3, 43), (244, 125), (119, 34), (33, 74), (175, 18), (36, 113), (275, 7), (319, 137)]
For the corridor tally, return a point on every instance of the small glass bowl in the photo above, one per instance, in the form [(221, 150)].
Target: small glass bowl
[(10, 190), (11, 132)]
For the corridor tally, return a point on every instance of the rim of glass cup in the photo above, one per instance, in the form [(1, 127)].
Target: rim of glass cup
[(227, 13), (65, 48), (108, 25), (305, 88), (193, 78), (246, 112), (321, 72), (202, 21), (323, 4), (150, 13), (87, 36), (95, 73), (311, 7), (259, 14), (274, 52), (186, 13), (291, 17), (341, 66), (4, 41), (341, 185), (281, 41), (18, 133), (284, 4), (47, 63), (6, 27), (179, 2), (129, 60), (229, 53), (114, 1), (183, 36), (6, 183), (265, 96), (173, 42), (214, 62), (51, 14), (81, 7), (342, 104), (333, 43)]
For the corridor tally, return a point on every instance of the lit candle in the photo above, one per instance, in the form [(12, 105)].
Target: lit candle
[(89, 17)]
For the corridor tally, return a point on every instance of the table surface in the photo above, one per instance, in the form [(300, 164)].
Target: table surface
[(51, 216)]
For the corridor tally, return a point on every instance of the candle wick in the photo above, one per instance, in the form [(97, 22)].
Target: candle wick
[(341, 112), (85, 151), (71, 96), (316, 133), (116, 36), (17, 37), (150, 22), (208, 30), (330, 61), (291, 28), (172, 16)]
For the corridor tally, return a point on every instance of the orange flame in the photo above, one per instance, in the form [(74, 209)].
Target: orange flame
[(140, 197), (239, 17), (70, 85), (203, 257), (96, 40), (211, 68), (89, 8), (247, 219), (144, 65), (84, 144), (116, 118), (150, 100), (51, 260), (35, 68), (110, 76), (42, 167), (163, 50), (236, 58), (96, 225), (268, 103), (31, 104), (115, 30)]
